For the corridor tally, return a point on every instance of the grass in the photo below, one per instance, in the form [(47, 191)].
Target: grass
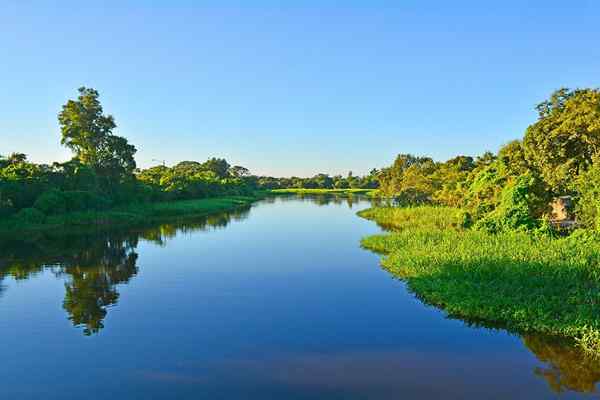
[(398, 218), (522, 282), (135, 214), (321, 191)]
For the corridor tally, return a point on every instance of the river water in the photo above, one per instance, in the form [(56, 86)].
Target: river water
[(278, 301)]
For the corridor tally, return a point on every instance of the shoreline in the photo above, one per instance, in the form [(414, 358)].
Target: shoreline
[(520, 281), (132, 215), (368, 192)]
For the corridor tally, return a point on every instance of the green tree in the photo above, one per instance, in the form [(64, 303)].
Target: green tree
[(88, 133), (219, 166), (512, 155), (588, 197), (238, 171), (565, 138)]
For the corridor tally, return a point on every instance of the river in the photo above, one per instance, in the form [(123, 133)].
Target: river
[(278, 301)]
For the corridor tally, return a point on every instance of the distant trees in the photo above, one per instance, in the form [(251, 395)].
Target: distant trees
[(191, 179), (559, 155), (321, 181)]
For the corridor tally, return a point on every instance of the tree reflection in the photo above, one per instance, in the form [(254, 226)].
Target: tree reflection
[(567, 368), (92, 277), (94, 264)]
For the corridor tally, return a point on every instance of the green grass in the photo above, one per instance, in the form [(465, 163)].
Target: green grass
[(135, 214), (522, 282), (322, 191), (397, 218)]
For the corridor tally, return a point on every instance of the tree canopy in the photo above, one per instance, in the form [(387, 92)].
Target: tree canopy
[(564, 140)]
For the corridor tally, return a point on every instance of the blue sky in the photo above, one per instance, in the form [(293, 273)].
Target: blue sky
[(292, 88)]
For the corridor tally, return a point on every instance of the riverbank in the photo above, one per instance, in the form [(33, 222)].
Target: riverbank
[(322, 191), (517, 280), (133, 215)]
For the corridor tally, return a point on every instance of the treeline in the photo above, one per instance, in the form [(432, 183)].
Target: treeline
[(559, 155), (321, 181), (102, 173)]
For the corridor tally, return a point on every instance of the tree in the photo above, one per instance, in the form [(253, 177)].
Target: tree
[(407, 178), (512, 155), (16, 158), (588, 197), (88, 133), (565, 138), (219, 166), (239, 171)]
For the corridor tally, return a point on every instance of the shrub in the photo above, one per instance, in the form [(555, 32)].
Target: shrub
[(588, 199), (78, 200), (515, 208), (51, 202), (31, 216)]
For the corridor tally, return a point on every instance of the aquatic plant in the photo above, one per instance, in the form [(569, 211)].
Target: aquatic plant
[(526, 282)]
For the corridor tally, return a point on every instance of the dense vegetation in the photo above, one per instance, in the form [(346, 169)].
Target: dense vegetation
[(527, 282), (322, 181), (477, 236), (513, 188), (102, 175), (322, 191)]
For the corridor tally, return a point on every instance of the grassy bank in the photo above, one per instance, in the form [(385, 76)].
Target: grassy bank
[(523, 282), (321, 191), (136, 214)]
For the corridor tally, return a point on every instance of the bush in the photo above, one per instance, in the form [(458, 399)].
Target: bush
[(515, 209), (51, 202), (588, 200), (31, 216), (78, 200), (6, 210)]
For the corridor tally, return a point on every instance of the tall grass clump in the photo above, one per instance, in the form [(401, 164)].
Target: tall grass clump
[(423, 217), (524, 281)]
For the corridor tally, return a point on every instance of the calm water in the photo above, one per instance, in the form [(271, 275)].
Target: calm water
[(275, 302)]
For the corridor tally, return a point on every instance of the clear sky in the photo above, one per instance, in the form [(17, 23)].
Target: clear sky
[(292, 88)]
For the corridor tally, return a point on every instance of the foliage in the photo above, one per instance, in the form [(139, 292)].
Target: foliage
[(102, 174), (514, 208), (525, 282), (31, 219), (88, 133), (566, 137), (51, 202), (588, 189), (418, 217), (321, 181), (322, 191), (30, 216)]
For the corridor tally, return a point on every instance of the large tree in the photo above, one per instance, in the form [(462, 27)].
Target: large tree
[(87, 131), (566, 137)]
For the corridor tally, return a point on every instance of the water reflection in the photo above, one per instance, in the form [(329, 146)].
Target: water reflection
[(566, 367), (325, 199), (94, 264)]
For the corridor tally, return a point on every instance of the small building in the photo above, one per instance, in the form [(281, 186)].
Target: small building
[(562, 212), (562, 208)]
